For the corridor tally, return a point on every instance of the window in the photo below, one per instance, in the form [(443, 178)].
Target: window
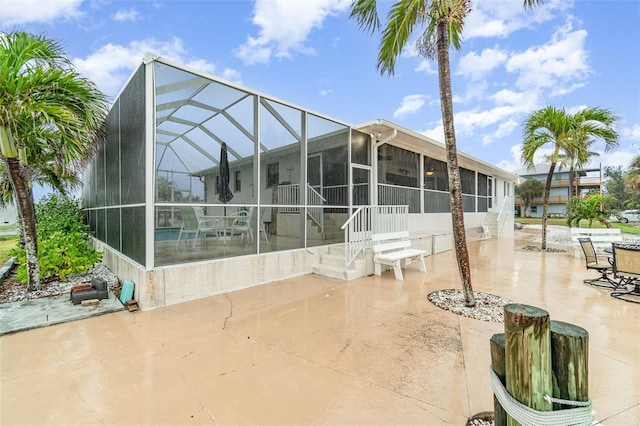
[(273, 174), (238, 182), (467, 181), (217, 185), (436, 176), (397, 166)]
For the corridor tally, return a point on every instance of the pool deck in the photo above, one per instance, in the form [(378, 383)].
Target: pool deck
[(316, 350)]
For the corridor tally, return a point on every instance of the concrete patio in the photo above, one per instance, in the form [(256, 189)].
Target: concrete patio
[(313, 350)]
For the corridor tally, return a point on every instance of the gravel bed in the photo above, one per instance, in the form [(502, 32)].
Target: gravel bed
[(489, 307), (12, 290)]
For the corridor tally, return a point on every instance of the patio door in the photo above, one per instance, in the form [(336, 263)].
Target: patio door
[(314, 172), (361, 192)]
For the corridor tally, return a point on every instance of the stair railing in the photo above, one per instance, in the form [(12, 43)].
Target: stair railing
[(505, 209), (290, 194), (366, 221), (316, 214)]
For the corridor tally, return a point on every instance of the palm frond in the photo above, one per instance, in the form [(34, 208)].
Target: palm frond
[(365, 12), (401, 21)]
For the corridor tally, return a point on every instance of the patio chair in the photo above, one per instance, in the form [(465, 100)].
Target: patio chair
[(199, 227), (593, 261), (241, 225), (626, 267)]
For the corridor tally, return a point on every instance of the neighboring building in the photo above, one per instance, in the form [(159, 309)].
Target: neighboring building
[(9, 215), (563, 187), (297, 175)]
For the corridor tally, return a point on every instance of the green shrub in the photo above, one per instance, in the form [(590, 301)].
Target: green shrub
[(63, 238)]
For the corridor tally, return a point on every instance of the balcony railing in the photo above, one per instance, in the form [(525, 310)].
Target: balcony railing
[(553, 199), (584, 181)]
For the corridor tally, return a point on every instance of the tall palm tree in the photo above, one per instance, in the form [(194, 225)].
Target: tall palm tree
[(51, 120), (564, 132), (440, 25), (569, 158)]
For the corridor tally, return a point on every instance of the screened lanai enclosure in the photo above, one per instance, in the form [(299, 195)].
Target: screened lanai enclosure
[(197, 171), (284, 184)]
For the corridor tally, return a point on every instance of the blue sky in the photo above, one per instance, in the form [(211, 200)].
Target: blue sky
[(568, 54)]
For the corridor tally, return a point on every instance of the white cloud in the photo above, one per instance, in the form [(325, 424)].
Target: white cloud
[(123, 15), (492, 18), (475, 91), (411, 104), (426, 66), (110, 66), (284, 27), (436, 133), (558, 65), (505, 128), (231, 75), (632, 133), (509, 97), (16, 12), (614, 158), (515, 162), (476, 66), (469, 122)]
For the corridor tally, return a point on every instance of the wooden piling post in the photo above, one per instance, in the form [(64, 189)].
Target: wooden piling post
[(496, 344), (528, 356), (569, 363)]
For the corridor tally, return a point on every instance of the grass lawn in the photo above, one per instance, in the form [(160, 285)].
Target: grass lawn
[(624, 227), (6, 244)]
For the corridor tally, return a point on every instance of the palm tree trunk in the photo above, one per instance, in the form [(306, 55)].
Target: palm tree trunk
[(545, 207), (27, 212), (455, 188)]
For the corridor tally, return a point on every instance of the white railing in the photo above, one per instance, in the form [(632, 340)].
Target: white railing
[(316, 214), (290, 194), (369, 220), (393, 195), (506, 209)]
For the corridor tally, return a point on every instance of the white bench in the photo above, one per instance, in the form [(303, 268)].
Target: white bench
[(394, 249), (600, 237)]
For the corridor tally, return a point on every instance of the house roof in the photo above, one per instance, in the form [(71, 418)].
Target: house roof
[(382, 130)]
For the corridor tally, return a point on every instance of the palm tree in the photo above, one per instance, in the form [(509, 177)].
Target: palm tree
[(441, 24), (569, 158), (51, 120), (632, 176), (564, 132)]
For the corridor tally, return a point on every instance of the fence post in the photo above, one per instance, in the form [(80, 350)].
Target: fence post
[(496, 344), (528, 356), (569, 359)]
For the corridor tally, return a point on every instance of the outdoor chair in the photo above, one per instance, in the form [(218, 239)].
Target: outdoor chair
[(593, 261), (241, 225), (198, 227), (626, 267)]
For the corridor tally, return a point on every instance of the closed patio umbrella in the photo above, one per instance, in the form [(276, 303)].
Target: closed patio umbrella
[(224, 192)]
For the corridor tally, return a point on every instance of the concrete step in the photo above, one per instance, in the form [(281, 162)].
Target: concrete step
[(332, 259), (337, 272)]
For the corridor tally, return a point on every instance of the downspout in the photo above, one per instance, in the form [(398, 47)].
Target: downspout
[(383, 141)]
